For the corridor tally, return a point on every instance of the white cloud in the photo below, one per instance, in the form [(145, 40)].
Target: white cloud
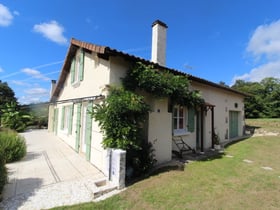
[(20, 83), (265, 41), (1, 69), (52, 31), (270, 69), (34, 95), (30, 99), (264, 46), (6, 16), (35, 74), (37, 91)]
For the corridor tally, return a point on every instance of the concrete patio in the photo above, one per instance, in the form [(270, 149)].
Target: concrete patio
[(51, 174)]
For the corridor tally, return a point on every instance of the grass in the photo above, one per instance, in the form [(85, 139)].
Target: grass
[(222, 183), (269, 125)]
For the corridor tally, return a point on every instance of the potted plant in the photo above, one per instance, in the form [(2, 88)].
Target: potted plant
[(217, 145)]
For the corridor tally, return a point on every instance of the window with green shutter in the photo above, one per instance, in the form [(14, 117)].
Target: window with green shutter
[(77, 67), (72, 70), (183, 120), (67, 118), (81, 67)]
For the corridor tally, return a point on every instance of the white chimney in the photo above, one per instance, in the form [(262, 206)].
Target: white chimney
[(53, 84), (159, 42)]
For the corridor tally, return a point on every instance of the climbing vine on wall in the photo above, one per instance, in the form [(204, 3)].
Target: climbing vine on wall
[(123, 112), (161, 84), (119, 117)]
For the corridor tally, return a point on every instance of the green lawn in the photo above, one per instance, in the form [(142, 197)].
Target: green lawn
[(223, 183), (270, 125)]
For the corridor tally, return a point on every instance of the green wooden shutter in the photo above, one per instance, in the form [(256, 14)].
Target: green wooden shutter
[(81, 67), (191, 115), (88, 131), (56, 120), (70, 119), (62, 118), (78, 127), (72, 70)]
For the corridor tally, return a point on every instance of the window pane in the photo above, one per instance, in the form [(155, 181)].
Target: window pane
[(181, 112), (175, 112), (181, 123), (175, 123)]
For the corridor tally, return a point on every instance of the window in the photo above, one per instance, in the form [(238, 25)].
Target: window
[(179, 120), (67, 116), (183, 120), (77, 67)]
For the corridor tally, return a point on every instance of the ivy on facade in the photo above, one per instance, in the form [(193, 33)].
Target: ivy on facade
[(162, 84), (123, 113)]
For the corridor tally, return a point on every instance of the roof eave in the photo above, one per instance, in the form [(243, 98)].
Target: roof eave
[(103, 50)]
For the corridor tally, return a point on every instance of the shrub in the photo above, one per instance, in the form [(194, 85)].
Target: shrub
[(13, 145), (3, 171), (142, 160)]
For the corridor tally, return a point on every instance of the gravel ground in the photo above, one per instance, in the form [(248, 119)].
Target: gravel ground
[(64, 193)]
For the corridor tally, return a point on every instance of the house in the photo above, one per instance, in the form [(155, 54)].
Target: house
[(89, 69)]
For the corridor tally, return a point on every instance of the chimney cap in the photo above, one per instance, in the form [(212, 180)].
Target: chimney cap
[(160, 23)]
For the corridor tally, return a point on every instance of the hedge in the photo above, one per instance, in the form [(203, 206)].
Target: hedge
[(3, 171), (13, 145)]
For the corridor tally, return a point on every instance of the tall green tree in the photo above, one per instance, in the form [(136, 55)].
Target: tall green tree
[(7, 95), (10, 114), (13, 118), (264, 99)]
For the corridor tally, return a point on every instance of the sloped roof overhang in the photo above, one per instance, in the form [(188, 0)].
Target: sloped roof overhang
[(104, 51)]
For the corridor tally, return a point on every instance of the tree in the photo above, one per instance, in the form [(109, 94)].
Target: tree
[(6, 94), (13, 118), (38, 114), (271, 96), (264, 99)]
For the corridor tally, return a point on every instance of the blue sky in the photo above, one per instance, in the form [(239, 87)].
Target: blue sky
[(218, 40)]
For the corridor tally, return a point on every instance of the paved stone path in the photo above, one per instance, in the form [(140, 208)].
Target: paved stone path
[(267, 168), (52, 174)]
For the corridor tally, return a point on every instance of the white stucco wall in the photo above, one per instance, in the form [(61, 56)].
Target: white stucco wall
[(98, 74), (224, 102), (159, 131)]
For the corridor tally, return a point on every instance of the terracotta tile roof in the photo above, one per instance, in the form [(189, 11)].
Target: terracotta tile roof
[(88, 46), (103, 50)]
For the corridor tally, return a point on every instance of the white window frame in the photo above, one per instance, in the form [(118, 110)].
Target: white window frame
[(178, 129), (66, 120)]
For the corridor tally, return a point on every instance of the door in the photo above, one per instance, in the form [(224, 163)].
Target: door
[(86, 130), (233, 124)]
